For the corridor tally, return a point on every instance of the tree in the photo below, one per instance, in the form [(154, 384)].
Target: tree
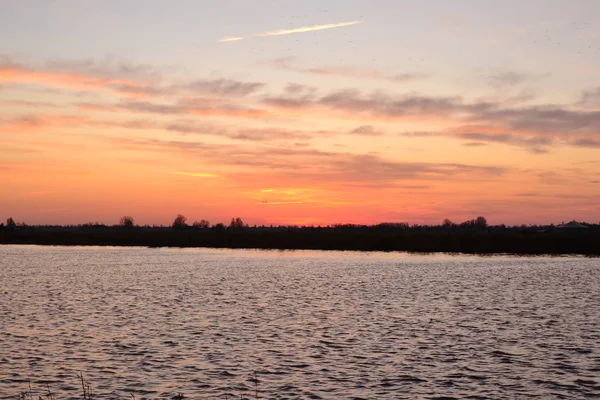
[(470, 223), (202, 224), (447, 223), (481, 222), (179, 222), (10, 223), (126, 222), (236, 223)]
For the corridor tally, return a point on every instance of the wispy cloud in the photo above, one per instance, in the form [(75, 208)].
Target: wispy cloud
[(197, 174), (118, 78), (367, 130), (29, 123), (230, 39), (474, 144), (281, 164), (591, 99), (278, 191), (506, 79), (535, 144), (221, 87), (59, 79), (291, 64), (280, 203), (184, 109), (109, 73), (109, 66), (549, 119), (586, 142), (27, 103), (308, 28)]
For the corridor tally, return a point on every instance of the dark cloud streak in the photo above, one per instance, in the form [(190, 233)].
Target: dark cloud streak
[(536, 120)]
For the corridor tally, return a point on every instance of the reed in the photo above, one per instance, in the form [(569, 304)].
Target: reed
[(88, 394)]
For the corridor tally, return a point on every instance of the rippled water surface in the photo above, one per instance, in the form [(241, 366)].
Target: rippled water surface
[(312, 325)]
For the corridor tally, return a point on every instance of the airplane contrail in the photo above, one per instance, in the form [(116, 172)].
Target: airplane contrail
[(230, 39), (308, 28)]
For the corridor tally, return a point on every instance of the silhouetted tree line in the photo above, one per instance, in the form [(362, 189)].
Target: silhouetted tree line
[(472, 236)]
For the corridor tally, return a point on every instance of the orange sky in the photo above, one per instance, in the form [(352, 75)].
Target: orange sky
[(290, 137)]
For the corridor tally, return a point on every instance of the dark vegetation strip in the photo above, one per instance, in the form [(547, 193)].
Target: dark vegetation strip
[(475, 240)]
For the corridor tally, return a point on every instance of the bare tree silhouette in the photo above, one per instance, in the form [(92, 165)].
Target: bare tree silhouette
[(203, 224), (126, 222), (179, 222), (236, 224)]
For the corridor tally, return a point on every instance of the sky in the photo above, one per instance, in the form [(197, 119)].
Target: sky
[(300, 112)]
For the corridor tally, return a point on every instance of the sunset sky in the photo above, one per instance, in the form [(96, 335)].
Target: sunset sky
[(300, 112)]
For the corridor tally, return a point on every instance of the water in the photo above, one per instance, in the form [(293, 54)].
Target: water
[(330, 325)]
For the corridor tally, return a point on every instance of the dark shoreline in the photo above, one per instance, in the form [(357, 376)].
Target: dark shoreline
[(416, 240)]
